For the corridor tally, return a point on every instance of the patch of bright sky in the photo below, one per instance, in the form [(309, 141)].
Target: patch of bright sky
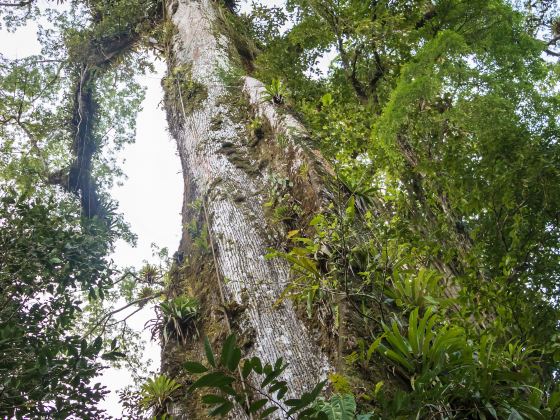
[(150, 200)]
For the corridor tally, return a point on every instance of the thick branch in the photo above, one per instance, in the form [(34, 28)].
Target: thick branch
[(77, 178)]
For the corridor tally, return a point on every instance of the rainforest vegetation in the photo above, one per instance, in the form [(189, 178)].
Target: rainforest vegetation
[(427, 274)]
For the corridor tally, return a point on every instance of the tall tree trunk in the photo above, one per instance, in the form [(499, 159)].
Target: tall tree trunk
[(227, 172)]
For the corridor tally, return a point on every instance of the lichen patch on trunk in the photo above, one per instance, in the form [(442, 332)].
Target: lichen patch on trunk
[(227, 165)]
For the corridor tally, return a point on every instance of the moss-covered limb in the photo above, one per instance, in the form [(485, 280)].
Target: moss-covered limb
[(91, 53), (242, 50), (77, 178)]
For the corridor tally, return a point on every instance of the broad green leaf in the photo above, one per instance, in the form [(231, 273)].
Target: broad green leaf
[(194, 367), (339, 407), (268, 411), (247, 368), (221, 410), (234, 359), (257, 405), (227, 350), (209, 352), (212, 379)]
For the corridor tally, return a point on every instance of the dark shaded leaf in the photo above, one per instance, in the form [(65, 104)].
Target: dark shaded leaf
[(213, 379), (209, 352), (194, 367)]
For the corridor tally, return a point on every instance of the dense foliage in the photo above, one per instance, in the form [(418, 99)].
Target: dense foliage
[(441, 119), (46, 258), (53, 257), (435, 269)]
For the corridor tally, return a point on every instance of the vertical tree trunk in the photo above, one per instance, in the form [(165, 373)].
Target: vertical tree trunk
[(227, 174)]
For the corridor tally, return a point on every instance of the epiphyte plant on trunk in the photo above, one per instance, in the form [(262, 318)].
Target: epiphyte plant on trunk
[(156, 392), (229, 376), (445, 145), (176, 320)]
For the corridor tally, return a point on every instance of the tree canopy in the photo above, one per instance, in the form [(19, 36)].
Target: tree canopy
[(434, 270)]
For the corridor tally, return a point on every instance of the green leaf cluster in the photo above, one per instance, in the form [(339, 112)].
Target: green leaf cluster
[(255, 386), (156, 392), (441, 240)]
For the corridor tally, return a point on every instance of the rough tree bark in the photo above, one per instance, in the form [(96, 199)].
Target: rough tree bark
[(227, 172)]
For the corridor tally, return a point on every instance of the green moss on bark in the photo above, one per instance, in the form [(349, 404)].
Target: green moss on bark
[(183, 90)]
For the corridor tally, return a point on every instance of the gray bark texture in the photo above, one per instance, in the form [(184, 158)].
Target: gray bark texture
[(230, 176)]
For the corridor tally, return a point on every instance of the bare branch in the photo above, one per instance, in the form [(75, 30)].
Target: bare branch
[(105, 318), (554, 40), (125, 318)]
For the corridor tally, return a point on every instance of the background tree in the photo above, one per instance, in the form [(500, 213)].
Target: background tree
[(57, 110)]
